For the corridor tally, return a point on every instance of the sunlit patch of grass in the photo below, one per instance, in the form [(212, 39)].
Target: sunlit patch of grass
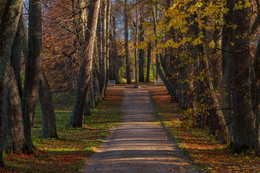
[(198, 144), (68, 152)]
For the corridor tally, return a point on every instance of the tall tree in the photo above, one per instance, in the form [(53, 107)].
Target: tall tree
[(10, 15), (128, 75), (149, 56), (32, 70), (14, 130), (135, 44), (141, 51), (76, 117), (10, 12), (243, 121), (105, 47)]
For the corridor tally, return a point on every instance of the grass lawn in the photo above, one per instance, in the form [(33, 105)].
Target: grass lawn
[(74, 145), (201, 148)]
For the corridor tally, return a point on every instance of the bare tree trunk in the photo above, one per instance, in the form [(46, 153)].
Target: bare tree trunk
[(141, 53), (243, 121), (17, 54), (149, 55), (15, 138), (32, 71), (108, 39), (48, 115), (227, 35), (136, 50), (86, 68), (115, 61), (104, 49), (14, 121), (3, 117), (256, 84), (8, 29), (128, 75), (10, 12)]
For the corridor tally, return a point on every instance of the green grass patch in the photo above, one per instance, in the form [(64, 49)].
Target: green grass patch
[(74, 145)]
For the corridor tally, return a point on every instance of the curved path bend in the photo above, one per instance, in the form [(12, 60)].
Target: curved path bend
[(139, 144)]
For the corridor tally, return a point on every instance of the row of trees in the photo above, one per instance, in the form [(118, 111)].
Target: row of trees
[(208, 58), (85, 28), (207, 54)]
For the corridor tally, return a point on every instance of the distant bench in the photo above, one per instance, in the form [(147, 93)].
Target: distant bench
[(159, 81), (112, 82)]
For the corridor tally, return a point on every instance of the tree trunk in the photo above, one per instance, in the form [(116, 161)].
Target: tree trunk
[(9, 24), (108, 40), (48, 115), (15, 138), (243, 121), (17, 54), (87, 104), (104, 49), (149, 54), (257, 98), (32, 71), (115, 54), (227, 35), (128, 75), (3, 117), (86, 68), (141, 53)]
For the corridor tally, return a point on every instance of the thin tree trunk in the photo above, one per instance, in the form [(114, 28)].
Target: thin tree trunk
[(48, 115), (128, 75), (141, 53), (32, 71), (149, 53), (87, 104), (115, 54), (3, 117), (136, 50), (104, 49), (108, 39), (86, 68)]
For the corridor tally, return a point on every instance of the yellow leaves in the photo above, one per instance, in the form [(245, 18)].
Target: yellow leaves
[(247, 4), (212, 44), (242, 4)]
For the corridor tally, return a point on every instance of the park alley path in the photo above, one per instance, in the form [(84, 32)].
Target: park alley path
[(139, 144)]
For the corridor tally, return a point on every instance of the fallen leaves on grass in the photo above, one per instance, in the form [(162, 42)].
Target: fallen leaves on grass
[(202, 148), (74, 145)]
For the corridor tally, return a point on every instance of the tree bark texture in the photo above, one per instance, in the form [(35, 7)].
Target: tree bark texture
[(9, 24), (128, 75), (149, 55), (17, 54), (15, 138), (243, 121), (86, 68), (141, 53), (104, 49), (48, 115), (32, 71), (257, 98)]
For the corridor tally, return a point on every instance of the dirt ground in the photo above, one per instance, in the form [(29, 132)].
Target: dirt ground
[(139, 144)]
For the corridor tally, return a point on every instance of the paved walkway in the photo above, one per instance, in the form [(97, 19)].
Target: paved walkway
[(139, 144)]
